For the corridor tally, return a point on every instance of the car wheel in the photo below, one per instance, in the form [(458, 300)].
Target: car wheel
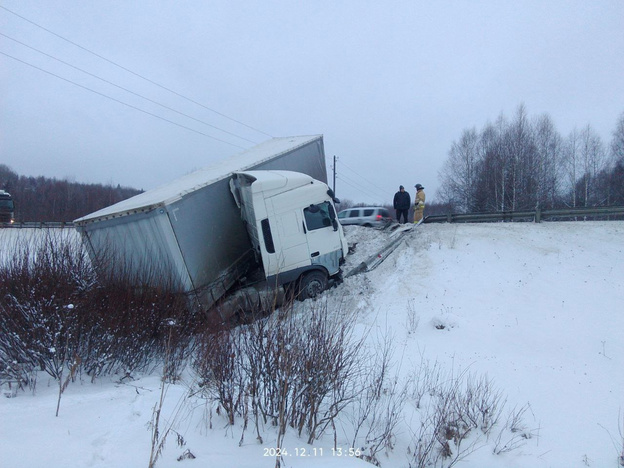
[(312, 284)]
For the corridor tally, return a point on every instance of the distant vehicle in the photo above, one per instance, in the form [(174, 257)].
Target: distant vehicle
[(369, 216), (7, 208)]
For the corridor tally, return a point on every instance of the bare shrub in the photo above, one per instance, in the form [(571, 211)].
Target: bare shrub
[(219, 367), (458, 415), (618, 444), (378, 408), (621, 430), (479, 405), (288, 370), (61, 318), (42, 314), (424, 380), (514, 433), (413, 319), (159, 431)]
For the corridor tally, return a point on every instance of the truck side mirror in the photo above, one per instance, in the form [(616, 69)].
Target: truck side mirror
[(331, 194)]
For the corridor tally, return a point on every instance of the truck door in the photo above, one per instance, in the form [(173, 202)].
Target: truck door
[(323, 240), (292, 248)]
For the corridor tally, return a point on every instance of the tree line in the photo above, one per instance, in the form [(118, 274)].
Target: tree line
[(524, 164), (42, 199)]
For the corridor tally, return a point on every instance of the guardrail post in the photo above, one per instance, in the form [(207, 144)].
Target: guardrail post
[(538, 215)]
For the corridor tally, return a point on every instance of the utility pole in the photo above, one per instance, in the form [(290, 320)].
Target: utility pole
[(334, 175)]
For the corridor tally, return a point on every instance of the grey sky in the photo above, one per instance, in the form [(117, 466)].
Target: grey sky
[(390, 84)]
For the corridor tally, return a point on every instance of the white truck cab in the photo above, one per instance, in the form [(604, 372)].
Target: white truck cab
[(292, 224)]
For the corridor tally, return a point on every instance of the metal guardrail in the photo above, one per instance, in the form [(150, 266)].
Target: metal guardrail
[(38, 224), (535, 215)]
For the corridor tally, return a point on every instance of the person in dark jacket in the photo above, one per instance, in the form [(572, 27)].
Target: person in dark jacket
[(402, 203)]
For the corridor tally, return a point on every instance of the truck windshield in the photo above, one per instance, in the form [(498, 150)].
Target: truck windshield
[(318, 217), (6, 204)]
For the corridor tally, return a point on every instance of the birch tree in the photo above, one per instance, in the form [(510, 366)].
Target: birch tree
[(459, 173), (548, 163), (592, 158), (616, 180), (572, 164)]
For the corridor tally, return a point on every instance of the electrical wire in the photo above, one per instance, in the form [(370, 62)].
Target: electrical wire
[(125, 89), (135, 73), (366, 180), (120, 102), (366, 189), (358, 190)]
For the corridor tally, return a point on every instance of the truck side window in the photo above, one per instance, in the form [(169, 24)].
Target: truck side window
[(317, 218), (268, 237)]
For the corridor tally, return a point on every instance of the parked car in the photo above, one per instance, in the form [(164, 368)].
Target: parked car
[(369, 216)]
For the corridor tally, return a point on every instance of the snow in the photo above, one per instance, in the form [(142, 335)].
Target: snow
[(537, 308)]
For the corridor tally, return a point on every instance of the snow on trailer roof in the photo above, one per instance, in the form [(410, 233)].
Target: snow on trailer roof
[(175, 190)]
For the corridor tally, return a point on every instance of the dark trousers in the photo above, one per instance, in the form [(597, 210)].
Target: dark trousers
[(403, 213)]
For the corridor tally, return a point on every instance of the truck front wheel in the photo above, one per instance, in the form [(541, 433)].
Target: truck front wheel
[(312, 284)]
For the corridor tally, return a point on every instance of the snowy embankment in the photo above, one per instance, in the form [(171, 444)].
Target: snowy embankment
[(537, 308)]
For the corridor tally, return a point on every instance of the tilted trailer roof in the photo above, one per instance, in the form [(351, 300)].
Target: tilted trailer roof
[(189, 233)]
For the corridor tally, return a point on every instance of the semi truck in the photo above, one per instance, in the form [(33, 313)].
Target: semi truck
[(265, 216), (6, 208)]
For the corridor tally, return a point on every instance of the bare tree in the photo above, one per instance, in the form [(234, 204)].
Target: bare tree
[(549, 148), (572, 163), (616, 176), (459, 173), (617, 143), (492, 169), (592, 162)]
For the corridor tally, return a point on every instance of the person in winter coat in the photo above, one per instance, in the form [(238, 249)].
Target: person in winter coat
[(419, 203), (402, 202)]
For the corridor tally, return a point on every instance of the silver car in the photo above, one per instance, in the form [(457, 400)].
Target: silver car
[(369, 216)]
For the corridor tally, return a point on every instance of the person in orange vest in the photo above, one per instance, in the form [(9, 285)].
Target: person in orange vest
[(419, 203)]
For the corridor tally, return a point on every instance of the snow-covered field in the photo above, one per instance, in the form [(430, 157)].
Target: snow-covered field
[(537, 308)]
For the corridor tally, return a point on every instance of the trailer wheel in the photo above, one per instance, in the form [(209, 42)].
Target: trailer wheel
[(312, 284)]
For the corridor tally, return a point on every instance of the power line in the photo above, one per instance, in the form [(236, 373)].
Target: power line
[(120, 102), (134, 73), (371, 183), (363, 188), (357, 187), (125, 89)]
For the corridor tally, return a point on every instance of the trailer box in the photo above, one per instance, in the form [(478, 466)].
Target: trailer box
[(189, 234)]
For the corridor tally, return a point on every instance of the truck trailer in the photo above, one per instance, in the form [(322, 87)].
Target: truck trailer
[(6, 208), (267, 209)]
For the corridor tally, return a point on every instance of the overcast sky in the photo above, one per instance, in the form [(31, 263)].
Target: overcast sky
[(390, 84)]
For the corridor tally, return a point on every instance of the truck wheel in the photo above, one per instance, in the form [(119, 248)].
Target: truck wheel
[(312, 285)]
